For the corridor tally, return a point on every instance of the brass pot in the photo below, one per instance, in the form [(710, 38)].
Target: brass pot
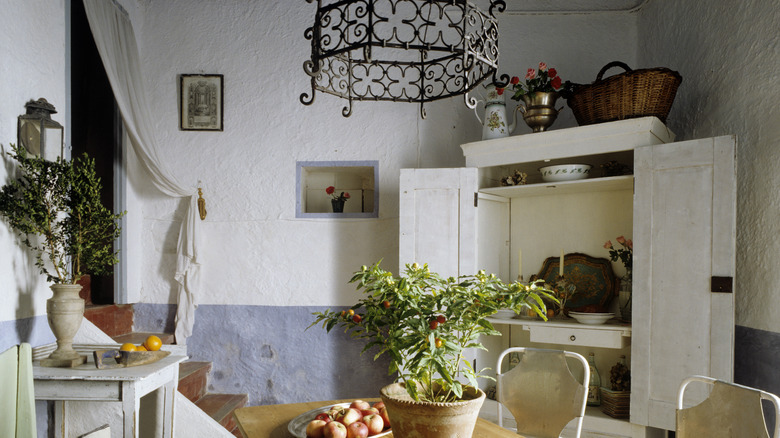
[(539, 112)]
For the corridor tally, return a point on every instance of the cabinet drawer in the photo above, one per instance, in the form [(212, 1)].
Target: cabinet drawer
[(578, 336)]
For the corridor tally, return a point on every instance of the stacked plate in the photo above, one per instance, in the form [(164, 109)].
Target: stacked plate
[(591, 318), (505, 314)]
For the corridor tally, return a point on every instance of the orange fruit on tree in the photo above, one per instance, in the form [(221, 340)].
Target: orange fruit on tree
[(153, 343), (127, 347)]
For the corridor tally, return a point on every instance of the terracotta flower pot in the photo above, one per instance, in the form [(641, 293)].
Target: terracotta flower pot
[(410, 418)]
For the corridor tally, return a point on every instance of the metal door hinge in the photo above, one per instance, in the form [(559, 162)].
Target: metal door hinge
[(722, 284), (476, 198)]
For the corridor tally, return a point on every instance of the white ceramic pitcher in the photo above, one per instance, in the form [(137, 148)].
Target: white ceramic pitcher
[(495, 123)]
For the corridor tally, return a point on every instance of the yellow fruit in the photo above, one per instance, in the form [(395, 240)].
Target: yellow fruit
[(153, 343), (127, 347), (140, 348)]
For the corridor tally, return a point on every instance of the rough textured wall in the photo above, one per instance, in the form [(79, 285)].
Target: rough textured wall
[(33, 66), (263, 269), (728, 54)]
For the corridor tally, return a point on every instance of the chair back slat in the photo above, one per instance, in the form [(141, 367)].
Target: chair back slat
[(542, 393), (731, 410)]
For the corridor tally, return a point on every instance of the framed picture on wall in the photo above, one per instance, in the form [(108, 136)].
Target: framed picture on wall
[(201, 102)]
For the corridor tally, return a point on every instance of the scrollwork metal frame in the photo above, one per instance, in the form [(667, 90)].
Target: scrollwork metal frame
[(401, 50)]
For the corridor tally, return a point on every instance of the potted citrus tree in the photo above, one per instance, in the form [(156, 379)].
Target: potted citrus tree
[(55, 207), (425, 323)]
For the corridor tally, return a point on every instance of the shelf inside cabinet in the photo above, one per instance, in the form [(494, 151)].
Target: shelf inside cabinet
[(625, 182)]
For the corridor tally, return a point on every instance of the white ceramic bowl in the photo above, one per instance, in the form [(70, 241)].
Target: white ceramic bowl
[(591, 318), (505, 314), (565, 172)]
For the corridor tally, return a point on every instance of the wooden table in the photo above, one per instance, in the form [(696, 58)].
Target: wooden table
[(270, 421), (124, 385)]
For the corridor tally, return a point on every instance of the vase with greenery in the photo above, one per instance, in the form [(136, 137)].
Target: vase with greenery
[(426, 322), (55, 208)]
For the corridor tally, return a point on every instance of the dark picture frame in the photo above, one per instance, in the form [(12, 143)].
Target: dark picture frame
[(202, 100)]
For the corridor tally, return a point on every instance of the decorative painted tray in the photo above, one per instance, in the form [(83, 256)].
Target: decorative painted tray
[(297, 426), (593, 276)]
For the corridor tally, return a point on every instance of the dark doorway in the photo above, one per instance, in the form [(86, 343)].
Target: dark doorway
[(94, 124)]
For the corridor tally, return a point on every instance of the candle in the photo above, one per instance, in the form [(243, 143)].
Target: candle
[(520, 263), (560, 267)]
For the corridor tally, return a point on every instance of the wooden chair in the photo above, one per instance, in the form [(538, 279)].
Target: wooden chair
[(17, 398), (541, 392), (730, 410)]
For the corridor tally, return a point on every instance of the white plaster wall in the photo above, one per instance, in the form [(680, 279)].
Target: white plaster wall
[(728, 54), (34, 58), (255, 250)]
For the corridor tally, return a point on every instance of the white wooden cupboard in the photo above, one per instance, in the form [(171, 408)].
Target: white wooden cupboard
[(679, 206)]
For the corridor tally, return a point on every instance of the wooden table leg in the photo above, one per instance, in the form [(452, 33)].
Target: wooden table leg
[(169, 404), (60, 419), (131, 406)]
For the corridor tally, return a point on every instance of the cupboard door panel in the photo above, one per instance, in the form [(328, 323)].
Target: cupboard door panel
[(684, 234), (437, 219)]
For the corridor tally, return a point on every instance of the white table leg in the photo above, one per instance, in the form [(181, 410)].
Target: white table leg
[(131, 406), (169, 404), (60, 419)]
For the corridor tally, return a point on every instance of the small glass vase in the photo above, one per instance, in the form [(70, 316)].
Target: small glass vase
[(624, 298)]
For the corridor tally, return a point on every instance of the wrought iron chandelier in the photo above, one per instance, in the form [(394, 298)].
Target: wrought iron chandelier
[(401, 50)]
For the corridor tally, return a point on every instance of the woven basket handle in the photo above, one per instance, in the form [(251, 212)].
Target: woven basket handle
[(609, 66)]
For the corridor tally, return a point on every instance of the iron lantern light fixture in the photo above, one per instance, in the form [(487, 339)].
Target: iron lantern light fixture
[(38, 133), (401, 50)]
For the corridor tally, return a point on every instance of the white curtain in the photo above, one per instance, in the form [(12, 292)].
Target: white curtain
[(116, 43)]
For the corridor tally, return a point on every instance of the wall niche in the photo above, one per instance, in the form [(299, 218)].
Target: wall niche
[(358, 178)]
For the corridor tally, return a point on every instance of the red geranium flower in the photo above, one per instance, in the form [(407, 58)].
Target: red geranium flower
[(530, 74), (330, 190), (551, 73), (515, 80), (556, 82), (346, 195)]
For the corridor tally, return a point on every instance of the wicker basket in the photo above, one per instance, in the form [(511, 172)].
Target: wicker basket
[(616, 404), (635, 93)]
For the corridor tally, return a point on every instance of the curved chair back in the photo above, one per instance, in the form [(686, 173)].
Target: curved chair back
[(731, 410), (541, 392)]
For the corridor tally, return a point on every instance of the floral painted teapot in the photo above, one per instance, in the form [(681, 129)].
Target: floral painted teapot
[(495, 123)]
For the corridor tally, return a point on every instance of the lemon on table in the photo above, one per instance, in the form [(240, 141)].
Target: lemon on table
[(127, 347), (153, 343)]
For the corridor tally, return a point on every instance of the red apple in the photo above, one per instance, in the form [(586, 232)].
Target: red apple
[(315, 429), (369, 411), (375, 423), (385, 416), (334, 429), (360, 405), (324, 416), (379, 405), (350, 416), (357, 430), (336, 412)]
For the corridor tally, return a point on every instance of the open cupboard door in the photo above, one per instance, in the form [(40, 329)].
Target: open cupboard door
[(684, 247), (438, 219)]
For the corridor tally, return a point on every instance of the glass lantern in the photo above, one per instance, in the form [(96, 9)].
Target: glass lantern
[(38, 133)]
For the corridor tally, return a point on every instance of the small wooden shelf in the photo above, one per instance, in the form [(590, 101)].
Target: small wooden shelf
[(612, 183)]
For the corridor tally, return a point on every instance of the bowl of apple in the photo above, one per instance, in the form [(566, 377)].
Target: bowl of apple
[(359, 419)]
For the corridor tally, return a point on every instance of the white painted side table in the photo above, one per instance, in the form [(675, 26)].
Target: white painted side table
[(124, 385)]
